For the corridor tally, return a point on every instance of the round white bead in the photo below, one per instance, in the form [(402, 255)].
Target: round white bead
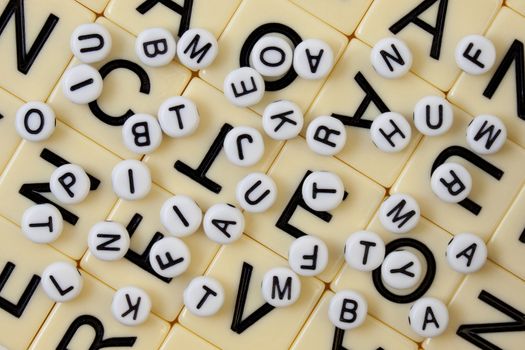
[(142, 133), (364, 250), (69, 183), (282, 120), (281, 287), (399, 213), (347, 309), (466, 253), (108, 240), (42, 223), (390, 132), (308, 256), (475, 54), (223, 223), (433, 115), (131, 306), (181, 215), (197, 48), (178, 116), (401, 269), (244, 87), (326, 135), (451, 182), (313, 59), (35, 121), (61, 281), (243, 146), (428, 317), (323, 190), (82, 84), (90, 42), (155, 47), (169, 257), (256, 192), (271, 56), (391, 58), (204, 296), (131, 179), (486, 134)]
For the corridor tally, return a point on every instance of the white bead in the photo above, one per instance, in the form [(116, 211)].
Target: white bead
[(131, 306), (178, 116), (401, 269), (108, 240), (180, 215), (282, 120), (197, 48), (390, 132), (428, 317), (82, 84), (35, 121), (90, 42), (61, 281), (244, 146), (399, 213), (308, 256), (42, 223), (391, 58), (475, 54), (169, 257), (244, 87), (451, 182), (271, 56), (131, 179), (281, 287), (223, 223), (364, 250), (347, 309), (323, 190), (155, 47), (313, 59), (486, 134), (69, 183), (256, 192), (204, 296), (433, 115), (142, 133), (466, 253), (326, 135)]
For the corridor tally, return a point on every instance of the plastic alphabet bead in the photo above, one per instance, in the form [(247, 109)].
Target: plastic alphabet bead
[(42, 223), (82, 84), (35, 121), (271, 56), (223, 223), (180, 215), (170, 257), (61, 281), (197, 48), (131, 179), (347, 309), (204, 296), (390, 132), (364, 250), (108, 240), (401, 269), (131, 306), (281, 287), (428, 317), (451, 182), (391, 58), (70, 184), (90, 42), (308, 256), (486, 134), (256, 192), (178, 117), (326, 135), (433, 115), (142, 133), (323, 190), (313, 59), (466, 253), (244, 87), (282, 120), (155, 47), (399, 213), (244, 146), (475, 54)]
